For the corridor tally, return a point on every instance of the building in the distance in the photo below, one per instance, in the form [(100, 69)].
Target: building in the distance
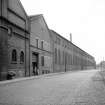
[(101, 65), (40, 46), (14, 39), (67, 56)]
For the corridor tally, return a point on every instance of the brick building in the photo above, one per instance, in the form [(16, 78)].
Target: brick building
[(26, 45), (67, 56), (40, 45), (14, 39)]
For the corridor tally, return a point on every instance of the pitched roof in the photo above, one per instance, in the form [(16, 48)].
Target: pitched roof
[(35, 17)]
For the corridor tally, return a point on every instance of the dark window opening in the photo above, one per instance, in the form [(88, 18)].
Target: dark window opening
[(41, 44), (55, 56), (37, 43), (14, 55), (42, 59), (22, 57)]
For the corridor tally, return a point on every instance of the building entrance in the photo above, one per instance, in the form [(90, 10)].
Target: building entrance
[(35, 63)]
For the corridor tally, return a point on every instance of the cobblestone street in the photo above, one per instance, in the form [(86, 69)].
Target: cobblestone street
[(72, 88)]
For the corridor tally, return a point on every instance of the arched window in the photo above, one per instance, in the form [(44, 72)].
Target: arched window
[(14, 55), (22, 57)]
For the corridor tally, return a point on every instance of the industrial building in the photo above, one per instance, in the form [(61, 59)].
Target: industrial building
[(14, 39), (67, 56), (27, 44), (40, 46)]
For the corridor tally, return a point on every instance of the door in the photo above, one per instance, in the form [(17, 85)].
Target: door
[(35, 63)]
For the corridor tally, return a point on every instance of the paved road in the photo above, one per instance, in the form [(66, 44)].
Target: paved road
[(72, 88)]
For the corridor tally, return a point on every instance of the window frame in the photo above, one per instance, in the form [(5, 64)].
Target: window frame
[(14, 56), (37, 43), (21, 57), (42, 60), (42, 44)]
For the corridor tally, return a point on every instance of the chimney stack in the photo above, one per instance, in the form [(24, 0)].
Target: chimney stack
[(71, 37)]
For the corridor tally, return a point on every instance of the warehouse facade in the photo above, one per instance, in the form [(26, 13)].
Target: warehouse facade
[(40, 46), (28, 47), (14, 39), (67, 56)]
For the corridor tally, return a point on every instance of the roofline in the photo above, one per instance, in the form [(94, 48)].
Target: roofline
[(71, 43), (34, 17), (23, 8)]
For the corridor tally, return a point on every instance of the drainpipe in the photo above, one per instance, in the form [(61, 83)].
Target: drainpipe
[(25, 48), (65, 58), (29, 45)]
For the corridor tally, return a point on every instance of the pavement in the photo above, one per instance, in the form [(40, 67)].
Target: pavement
[(102, 73), (33, 77), (76, 88), (29, 78)]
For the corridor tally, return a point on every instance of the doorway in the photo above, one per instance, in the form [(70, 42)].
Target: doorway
[(35, 63)]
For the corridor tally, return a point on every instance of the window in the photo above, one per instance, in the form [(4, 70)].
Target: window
[(42, 60), (55, 56), (37, 43), (42, 71), (59, 57), (63, 58), (10, 31), (58, 40), (14, 55), (41, 44), (22, 57)]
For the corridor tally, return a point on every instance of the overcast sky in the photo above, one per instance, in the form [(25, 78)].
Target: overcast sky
[(85, 19)]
